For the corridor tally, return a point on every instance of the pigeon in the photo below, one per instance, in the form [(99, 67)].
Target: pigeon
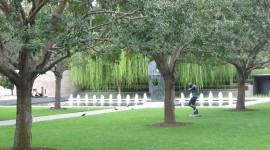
[(83, 114), (115, 108)]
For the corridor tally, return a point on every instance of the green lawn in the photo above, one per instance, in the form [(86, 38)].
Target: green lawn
[(8, 113), (217, 129)]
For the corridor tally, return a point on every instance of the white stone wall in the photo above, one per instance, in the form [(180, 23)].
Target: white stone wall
[(47, 81), (4, 91)]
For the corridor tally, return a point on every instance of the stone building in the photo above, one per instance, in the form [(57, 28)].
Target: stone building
[(46, 84)]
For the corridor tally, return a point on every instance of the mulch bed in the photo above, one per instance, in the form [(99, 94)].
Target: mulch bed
[(166, 125), (241, 110), (33, 148)]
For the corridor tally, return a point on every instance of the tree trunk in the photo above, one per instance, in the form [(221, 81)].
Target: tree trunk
[(169, 76), (169, 100), (241, 90), (57, 104), (119, 85), (58, 73), (23, 134)]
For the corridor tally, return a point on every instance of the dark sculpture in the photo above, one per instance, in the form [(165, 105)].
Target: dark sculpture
[(192, 102)]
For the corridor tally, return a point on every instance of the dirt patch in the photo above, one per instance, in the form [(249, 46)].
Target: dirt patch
[(241, 110), (33, 148), (166, 125)]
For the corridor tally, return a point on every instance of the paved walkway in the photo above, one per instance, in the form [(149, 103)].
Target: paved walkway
[(119, 109), (69, 115)]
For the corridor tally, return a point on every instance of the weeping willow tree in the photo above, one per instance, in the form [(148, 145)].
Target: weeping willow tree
[(205, 74), (98, 74), (132, 70)]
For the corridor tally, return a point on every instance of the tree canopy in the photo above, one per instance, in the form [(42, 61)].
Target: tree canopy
[(238, 32)]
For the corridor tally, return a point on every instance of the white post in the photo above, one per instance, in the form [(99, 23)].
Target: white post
[(220, 98), (210, 99), (78, 100), (144, 98), (136, 99), (119, 99), (128, 99), (70, 100), (102, 100), (230, 99), (94, 100), (201, 99), (182, 100), (86, 100), (110, 100)]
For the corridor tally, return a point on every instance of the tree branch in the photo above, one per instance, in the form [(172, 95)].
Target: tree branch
[(5, 8), (13, 63), (1, 49), (49, 67), (175, 55), (23, 14), (109, 22), (49, 49), (36, 8), (253, 55), (97, 11)]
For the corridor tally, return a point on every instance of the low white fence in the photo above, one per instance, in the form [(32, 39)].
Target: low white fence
[(209, 101), (120, 101), (102, 101)]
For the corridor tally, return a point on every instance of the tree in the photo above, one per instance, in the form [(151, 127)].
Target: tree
[(163, 31), (238, 32), (125, 69), (58, 71), (4, 81), (34, 37)]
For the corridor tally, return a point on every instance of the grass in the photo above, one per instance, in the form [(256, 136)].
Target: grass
[(8, 113), (129, 130)]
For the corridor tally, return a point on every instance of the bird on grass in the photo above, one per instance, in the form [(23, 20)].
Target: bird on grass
[(115, 108), (83, 114)]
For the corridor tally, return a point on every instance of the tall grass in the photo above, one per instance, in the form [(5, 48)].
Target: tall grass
[(130, 130)]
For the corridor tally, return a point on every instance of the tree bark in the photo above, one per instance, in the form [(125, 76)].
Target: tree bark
[(169, 76), (169, 100), (23, 134), (241, 78), (58, 79), (58, 73), (119, 85)]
